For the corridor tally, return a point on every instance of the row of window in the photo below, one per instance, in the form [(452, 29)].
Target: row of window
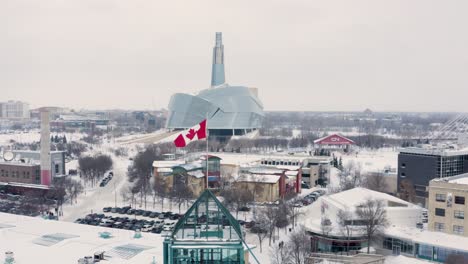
[(6, 173), (456, 213), (442, 198), (457, 229), (288, 163)]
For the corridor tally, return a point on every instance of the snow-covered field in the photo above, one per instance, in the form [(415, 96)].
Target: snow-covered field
[(372, 160)]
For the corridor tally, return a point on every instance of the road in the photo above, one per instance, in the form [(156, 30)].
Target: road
[(148, 139), (94, 199)]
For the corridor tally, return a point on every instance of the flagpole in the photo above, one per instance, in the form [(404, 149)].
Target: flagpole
[(207, 134)]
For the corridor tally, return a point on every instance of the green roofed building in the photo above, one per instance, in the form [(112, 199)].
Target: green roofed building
[(207, 233)]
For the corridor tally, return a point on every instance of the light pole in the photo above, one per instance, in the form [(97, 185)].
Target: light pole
[(115, 196)]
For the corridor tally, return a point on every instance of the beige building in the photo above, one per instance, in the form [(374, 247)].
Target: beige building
[(448, 206), (266, 188)]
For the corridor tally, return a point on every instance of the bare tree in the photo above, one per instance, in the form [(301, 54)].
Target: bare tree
[(280, 254), (351, 176), (282, 218), (407, 191), (325, 225), (236, 198), (129, 195), (376, 182), (160, 190), (344, 219), (260, 228), (374, 216), (299, 246), (271, 216)]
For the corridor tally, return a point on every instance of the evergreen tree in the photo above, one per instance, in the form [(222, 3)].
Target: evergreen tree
[(340, 164), (64, 139)]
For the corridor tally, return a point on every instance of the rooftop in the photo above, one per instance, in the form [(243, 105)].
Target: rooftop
[(440, 150), (429, 237), (35, 240), (458, 179)]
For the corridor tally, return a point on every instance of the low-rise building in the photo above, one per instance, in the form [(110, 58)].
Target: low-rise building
[(448, 205), (334, 142), (57, 158), (193, 174), (326, 208), (13, 171)]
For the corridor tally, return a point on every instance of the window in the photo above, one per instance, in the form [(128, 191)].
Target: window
[(440, 197), (56, 168), (403, 175), (459, 230), (440, 212), (403, 165), (459, 214), (459, 199), (439, 226)]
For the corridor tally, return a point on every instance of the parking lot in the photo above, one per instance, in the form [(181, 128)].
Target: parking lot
[(126, 218), (309, 198), (137, 219), (23, 205)]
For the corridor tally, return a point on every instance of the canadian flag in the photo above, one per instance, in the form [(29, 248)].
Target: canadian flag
[(194, 133)]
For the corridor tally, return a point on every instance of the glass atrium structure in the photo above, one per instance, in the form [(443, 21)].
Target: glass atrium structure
[(206, 234)]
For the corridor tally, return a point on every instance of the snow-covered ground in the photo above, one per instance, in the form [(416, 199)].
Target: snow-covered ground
[(372, 159), (404, 260), (33, 136)]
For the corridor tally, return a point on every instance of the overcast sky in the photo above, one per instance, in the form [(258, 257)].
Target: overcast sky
[(398, 55)]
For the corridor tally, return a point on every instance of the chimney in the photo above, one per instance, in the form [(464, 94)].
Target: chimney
[(217, 70), (45, 147)]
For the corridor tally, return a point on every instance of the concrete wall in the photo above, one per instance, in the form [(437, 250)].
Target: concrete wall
[(440, 187), (264, 192)]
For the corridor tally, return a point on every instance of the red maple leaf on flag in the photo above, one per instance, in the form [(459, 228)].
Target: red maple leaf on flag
[(191, 134)]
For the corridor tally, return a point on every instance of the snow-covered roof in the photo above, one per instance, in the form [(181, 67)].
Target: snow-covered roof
[(458, 179), (82, 240), (334, 139), (264, 170), (197, 174), (166, 163), (399, 212), (291, 173), (359, 195), (262, 178), (439, 239)]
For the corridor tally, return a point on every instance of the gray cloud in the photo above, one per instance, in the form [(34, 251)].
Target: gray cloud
[(302, 55)]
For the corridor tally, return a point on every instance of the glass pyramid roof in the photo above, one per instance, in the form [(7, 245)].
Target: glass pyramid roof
[(207, 220)]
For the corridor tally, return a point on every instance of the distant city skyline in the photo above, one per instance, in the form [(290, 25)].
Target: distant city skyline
[(407, 56)]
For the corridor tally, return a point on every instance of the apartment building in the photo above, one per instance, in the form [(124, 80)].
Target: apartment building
[(448, 205)]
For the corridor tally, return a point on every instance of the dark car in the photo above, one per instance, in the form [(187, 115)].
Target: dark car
[(154, 214), (249, 224), (106, 209), (131, 211), (139, 212), (244, 209), (156, 230), (146, 213)]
